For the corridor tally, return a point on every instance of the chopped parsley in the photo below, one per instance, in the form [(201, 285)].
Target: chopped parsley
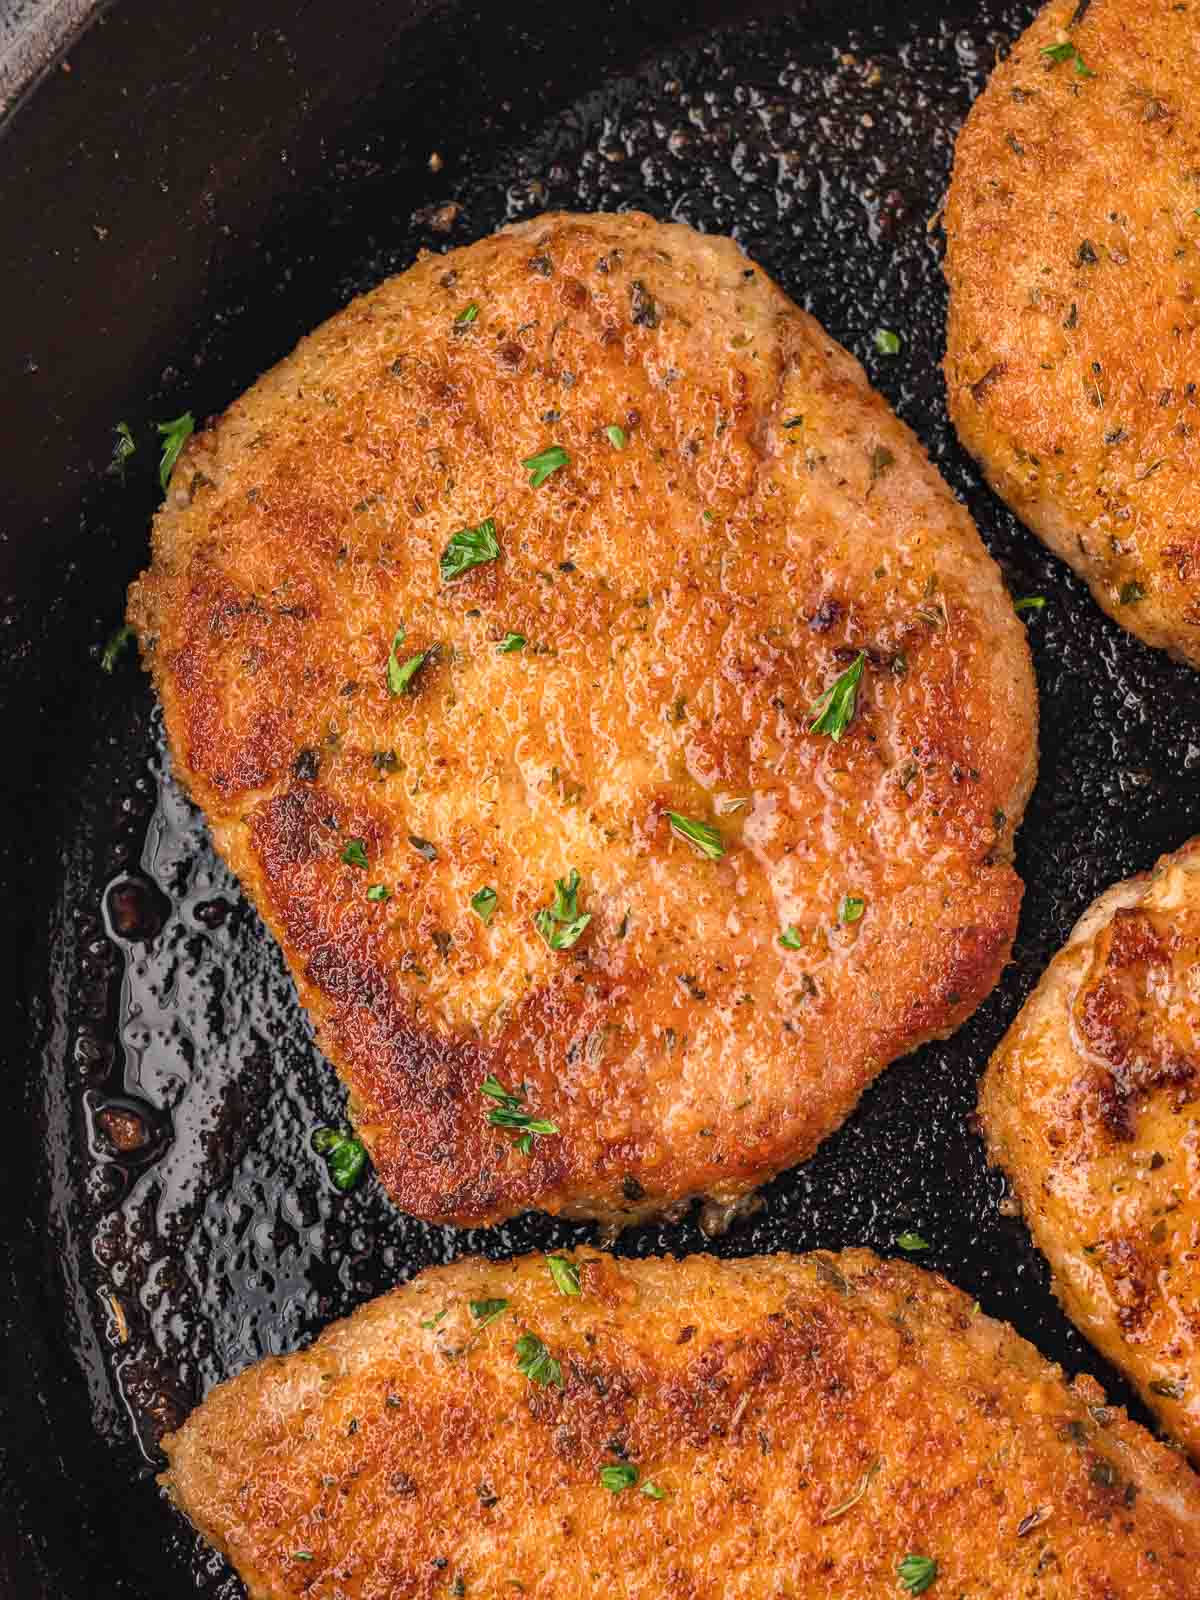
[(565, 1274), (834, 711), (618, 1478), (1031, 602), (354, 853), (483, 904), (378, 892), (302, 1555), (616, 436), (467, 315), (916, 1573), (887, 342), (469, 547), (790, 937), (432, 1322), (1131, 593), (400, 674), (485, 1311), (561, 923), (1054, 54), (703, 835), (652, 1491), (851, 908), (116, 647), (912, 1242), (511, 643), (536, 1362), (794, 422), (507, 1113), (345, 1156), (540, 466), (174, 436), (122, 450)]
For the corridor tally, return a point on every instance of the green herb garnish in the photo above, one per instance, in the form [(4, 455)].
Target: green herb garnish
[(703, 835), (122, 450), (916, 1573), (116, 647), (911, 1241), (616, 435), (510, 644), (540, 466), (1031, 602), (851, 908), (565, 1274), (834, 711), (1131, 593), (507, 1113), (485, 1311), (302, 1555), (618, 1478), (354, 853), (432, 1322), (174, 436), (1066, 51), (469, 547), (790, 938), (467, 314), (652, 1491), (400, 674), (378, 892), (344, 1155), (887, 342), (536, 1362), (483, 904), (561, 923)]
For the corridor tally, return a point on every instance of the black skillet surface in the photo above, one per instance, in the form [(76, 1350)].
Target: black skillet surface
[(823, 143)]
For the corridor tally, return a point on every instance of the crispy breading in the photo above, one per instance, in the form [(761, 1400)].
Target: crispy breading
[(809, 1421), (687, 587), (1092, 1106), (1073, 259)]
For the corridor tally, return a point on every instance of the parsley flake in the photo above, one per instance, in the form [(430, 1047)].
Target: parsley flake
[(345, 1156), (507, 1113), (511, 643), (1131, 593), (790, 937), (355, 853), (483, 904), (467, 315), (540, 466), (912, 1242), (703, 835), (536, 1362), (653, 1491), (116, 647), (379, 892), (432, 1322), (618, 1478), (175, 435), (851, 908), (469, 547), (486, 1311), (916, 1573), (122, 450), (302, 1555), (887, 342), (1031, 602), (834, 711), (400, 674), (616, 436), (565, 1274), (1054, 54), (561, 923)]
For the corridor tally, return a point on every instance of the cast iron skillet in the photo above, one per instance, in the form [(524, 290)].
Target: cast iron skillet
[(199, 189)]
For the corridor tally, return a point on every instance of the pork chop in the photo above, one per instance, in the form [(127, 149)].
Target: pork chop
[(1092, 1106), (614, 717), (801, 1426), (1073, 259)]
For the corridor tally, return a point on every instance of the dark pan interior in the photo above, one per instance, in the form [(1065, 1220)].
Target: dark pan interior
[(819, 136)]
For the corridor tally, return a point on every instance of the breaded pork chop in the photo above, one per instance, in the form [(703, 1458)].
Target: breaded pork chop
[(1073, 259), (489, 628), (803, 1426), (1092, 1106)]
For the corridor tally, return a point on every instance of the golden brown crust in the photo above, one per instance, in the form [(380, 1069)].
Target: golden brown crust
[(1092, 1106), (685, 599), (811, 1421), (1073, 259)]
